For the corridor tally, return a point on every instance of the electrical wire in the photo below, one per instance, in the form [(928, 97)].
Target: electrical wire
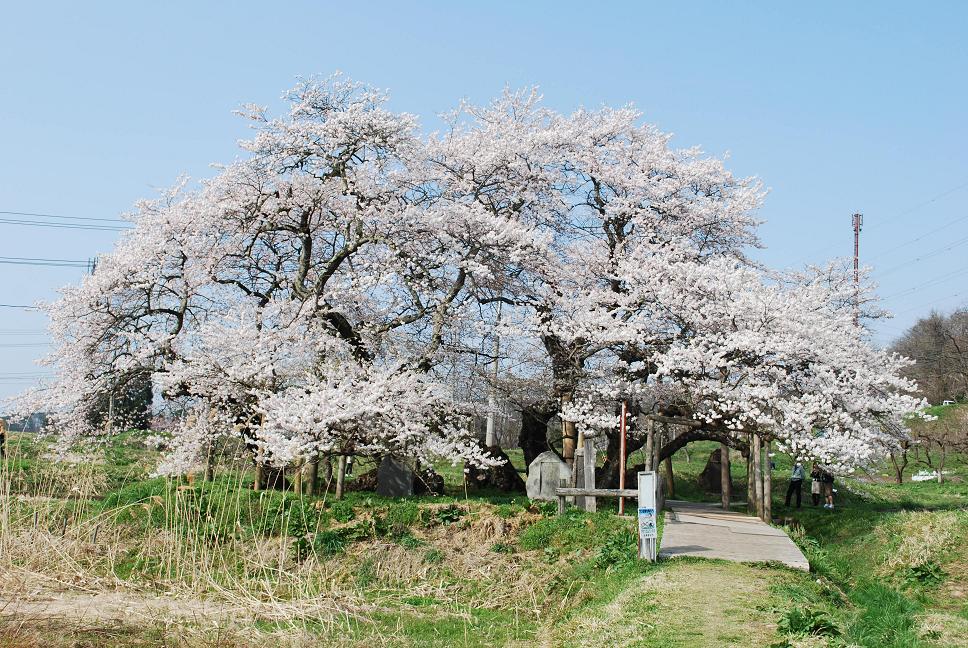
[(91, 227), (80, 218), (68, 263)]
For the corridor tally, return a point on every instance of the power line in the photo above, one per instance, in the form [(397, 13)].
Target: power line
[(67, 263), (919, 238), (930, 282), (96, 228), (926, 255), (913, 208), (19, 306), (80, 218), (20, 345)]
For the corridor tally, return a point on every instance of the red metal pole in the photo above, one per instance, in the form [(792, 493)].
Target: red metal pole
[(621, 463)]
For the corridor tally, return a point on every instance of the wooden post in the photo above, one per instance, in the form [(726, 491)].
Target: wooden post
[(257, 483), (670, 480), (758, 475), (589, 468), (649, 443), (768, 484), (621, 459), (569, 438), (561, 498), (725, 482), (297, 477), (210, 462), (750, 491), (340, 476)]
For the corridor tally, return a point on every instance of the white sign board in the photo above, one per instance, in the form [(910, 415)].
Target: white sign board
[(648, 519)]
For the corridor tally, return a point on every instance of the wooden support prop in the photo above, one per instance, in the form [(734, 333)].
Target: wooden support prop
[(726, 484), (750, 489), (565, 491), (768, 484), (340, 476), (621, 458), (758, 475), (589, 469)]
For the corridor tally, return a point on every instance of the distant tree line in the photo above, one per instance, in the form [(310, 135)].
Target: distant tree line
[(939, 345)]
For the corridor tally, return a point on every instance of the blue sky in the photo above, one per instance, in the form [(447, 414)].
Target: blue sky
[(838, 107)]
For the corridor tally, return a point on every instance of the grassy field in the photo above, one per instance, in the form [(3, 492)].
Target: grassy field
[(97, 554)]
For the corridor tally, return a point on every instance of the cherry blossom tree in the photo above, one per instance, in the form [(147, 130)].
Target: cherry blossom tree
[(320, 294)]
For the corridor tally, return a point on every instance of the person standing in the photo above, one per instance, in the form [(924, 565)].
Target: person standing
[(815, 475), (796, 483), (827, 480)]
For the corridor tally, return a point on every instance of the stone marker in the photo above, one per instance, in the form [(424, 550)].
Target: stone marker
[(711, 479), (544, 475), (394, 478)]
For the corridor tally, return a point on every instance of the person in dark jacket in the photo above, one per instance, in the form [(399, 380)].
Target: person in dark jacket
[(827, 481), (796, 483)]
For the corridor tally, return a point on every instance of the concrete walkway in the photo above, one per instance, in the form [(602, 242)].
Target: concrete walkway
[(708, 531)]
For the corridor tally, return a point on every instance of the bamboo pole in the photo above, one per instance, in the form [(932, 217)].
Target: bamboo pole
[(726, 483)]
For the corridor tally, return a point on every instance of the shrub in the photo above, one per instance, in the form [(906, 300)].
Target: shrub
[(801, 621)]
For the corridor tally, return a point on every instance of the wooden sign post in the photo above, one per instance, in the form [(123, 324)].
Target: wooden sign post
[(648, 518)]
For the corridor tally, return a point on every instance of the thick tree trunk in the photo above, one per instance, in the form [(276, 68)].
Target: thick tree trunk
[(670, 480), (726, 484), (533, 438), (311, 479), (607, 475), (649, 443)]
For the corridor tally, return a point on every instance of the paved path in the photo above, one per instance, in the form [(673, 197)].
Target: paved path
[(710, 532)]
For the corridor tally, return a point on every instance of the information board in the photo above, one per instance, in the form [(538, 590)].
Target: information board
[(648, 519)]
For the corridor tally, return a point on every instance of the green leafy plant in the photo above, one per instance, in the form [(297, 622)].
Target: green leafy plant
[(801, 621), (929, 573), (502, 547)]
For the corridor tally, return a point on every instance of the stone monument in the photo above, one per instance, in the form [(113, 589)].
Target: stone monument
[(544, 476), (394, 478)]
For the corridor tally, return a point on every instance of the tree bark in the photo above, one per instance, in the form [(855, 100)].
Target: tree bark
[(311, 483), (210, 463), (297, 477), (569, 436), (533, 437), (670, 480), (649, 443), (725, 481), (340, 476)]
